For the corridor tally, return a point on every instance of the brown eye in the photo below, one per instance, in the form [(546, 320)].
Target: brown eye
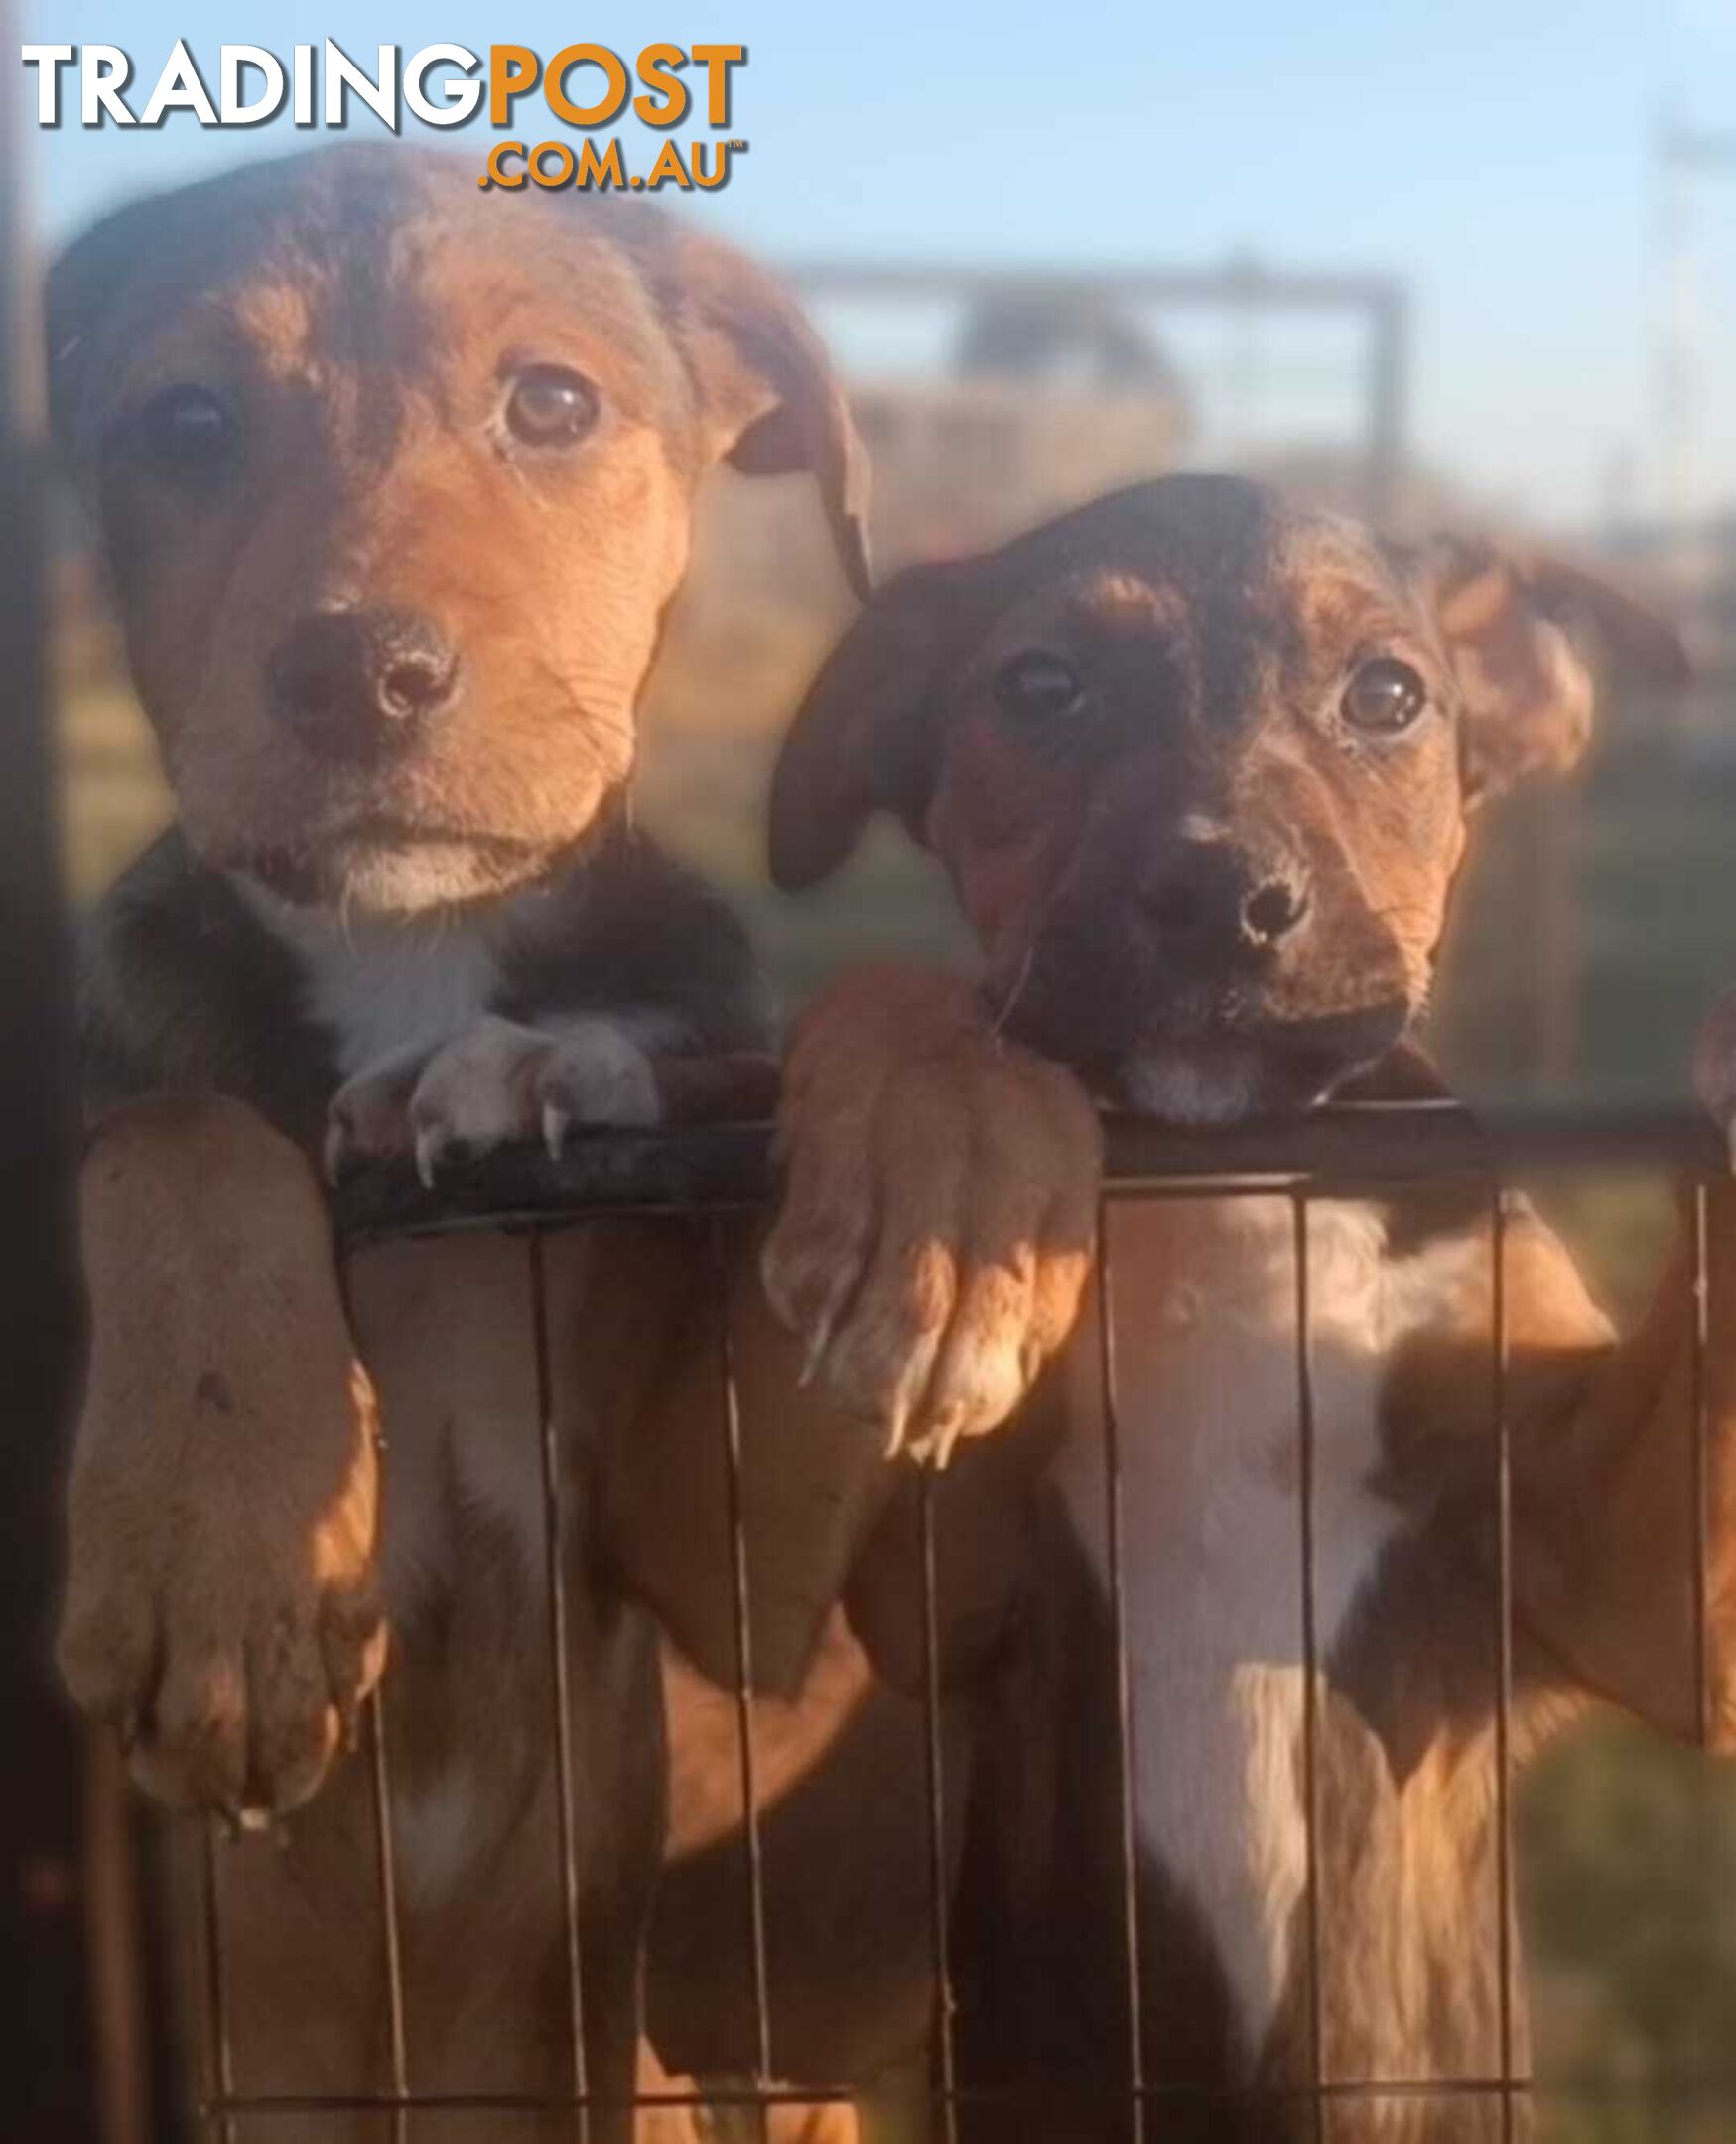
[(551, 406), (187, 431), (1385, 695), (1039, 687)]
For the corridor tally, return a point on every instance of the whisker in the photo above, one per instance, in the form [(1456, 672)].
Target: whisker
[(1009, 1002), (1016, 990)]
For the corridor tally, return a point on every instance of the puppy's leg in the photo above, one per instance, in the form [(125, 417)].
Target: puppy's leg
[(1617, 1505), (939, 1209), (1630, 1505), (219, 1605)]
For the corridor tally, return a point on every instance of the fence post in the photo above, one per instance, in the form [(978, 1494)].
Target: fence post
[(41, 1918)]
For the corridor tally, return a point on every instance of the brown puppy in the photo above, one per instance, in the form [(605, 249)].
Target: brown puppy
[(1201, 768), (395, 480)]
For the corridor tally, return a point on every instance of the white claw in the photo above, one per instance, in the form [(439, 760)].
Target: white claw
[(427, 1154), (935, 1446), (555, 1123), (254, 1816), (895, 1429), (813, 1355), (819, 1340), (945, 1439)]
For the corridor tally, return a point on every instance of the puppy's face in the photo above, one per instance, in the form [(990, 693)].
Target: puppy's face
[(1199, 766), (395, 479)]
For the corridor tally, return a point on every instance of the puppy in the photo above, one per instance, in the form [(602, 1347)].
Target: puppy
[(395, 482), (1202, 768)]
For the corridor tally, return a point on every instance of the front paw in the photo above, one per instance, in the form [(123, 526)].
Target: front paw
[(499, 1084), (232, 1656), (939, 1209), (221, 1608)]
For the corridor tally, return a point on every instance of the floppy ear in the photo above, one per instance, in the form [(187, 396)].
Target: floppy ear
[(864, 740), (89, 289), (143, 260), (774, 403), (1515, 625)]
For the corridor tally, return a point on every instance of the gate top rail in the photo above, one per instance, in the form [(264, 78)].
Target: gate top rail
[(1343, 1147)]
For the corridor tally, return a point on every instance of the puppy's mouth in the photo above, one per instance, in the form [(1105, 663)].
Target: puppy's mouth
[(1203, 1054), (1214, 1074), (379, 862)]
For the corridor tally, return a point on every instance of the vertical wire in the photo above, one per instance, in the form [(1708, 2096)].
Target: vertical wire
[(385, 1852), (940, 1936), (1310, 1657), (1502, 1485), (386, 1861), (560, 1678), (1699, 1337), (1700, 1334), (739, 1579), (219, 2050), (1115, 1549)]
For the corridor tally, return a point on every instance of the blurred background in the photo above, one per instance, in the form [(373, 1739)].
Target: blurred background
[(1447, 267)]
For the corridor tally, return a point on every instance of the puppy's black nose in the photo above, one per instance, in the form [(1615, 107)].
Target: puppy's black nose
[(357, 683), (1209, 903)]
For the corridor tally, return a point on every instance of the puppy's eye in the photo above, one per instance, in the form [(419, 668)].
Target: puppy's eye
[(550, 406), (1039, 687), (1383, 697), (187, 431)]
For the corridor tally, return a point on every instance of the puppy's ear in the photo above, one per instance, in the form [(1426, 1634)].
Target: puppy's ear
[(866, 737), (1521, 630), (89, 287), (143, 261), (773, 405)]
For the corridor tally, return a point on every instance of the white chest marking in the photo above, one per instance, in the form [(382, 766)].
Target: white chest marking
[(385, 987), (1211, 1515)]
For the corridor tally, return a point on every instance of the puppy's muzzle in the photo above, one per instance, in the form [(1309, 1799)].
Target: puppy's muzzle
[(1212, 907), (360, 685)]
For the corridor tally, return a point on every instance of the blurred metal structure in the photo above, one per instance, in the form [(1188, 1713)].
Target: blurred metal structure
[(1241, 288), (1682, 156)]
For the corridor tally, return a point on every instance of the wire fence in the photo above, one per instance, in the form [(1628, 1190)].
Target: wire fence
[(1341, 1153)]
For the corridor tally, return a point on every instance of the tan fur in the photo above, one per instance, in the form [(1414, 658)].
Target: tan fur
[(938, 1215), (233, 1557), (366, 386), (363, 316)]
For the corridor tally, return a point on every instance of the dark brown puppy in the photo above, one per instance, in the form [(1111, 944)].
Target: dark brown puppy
[(395, 482), (1170, 751), (1201, 768)]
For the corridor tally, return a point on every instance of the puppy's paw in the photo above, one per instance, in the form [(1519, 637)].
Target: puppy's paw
[(221, 1607), (367, 1120), (477, 1094), (939, 1208), (453, 1105), (594, 1073), (499, 1084), (231, 1654)]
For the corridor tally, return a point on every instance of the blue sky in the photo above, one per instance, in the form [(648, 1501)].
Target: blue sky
[(1494, 154)]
